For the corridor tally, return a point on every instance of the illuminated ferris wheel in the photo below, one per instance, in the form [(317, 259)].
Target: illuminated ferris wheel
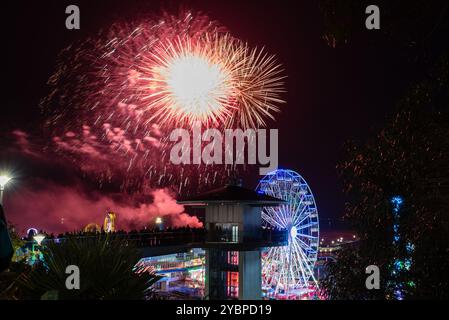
[(290, 269)]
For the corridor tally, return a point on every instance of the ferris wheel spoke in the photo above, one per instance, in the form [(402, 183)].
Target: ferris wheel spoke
[(284, 218), (298, 272), (273, 222), (303, 216), (303, 213), (308, 267), (296, 203), (273, 254), (304, 245), (305, 226), (299, 261), (309, 236), (304, 258), (278, 282)]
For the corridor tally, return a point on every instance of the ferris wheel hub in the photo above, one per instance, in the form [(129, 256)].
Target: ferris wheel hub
[(293, 232)]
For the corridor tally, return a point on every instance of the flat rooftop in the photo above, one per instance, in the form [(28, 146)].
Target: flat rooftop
[(231, 194)]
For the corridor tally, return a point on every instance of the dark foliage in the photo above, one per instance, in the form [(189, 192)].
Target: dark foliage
[(409, 157), (106, 271)]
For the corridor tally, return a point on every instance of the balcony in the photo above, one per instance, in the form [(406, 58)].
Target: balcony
[(225, 239)]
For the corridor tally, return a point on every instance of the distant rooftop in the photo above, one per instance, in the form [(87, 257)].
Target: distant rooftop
[(231, 194)]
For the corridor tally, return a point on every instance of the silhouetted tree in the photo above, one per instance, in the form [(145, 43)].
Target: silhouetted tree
[(409, 157)]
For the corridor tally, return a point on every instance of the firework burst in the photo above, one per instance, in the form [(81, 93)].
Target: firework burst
[(216, 79), (114, 97)]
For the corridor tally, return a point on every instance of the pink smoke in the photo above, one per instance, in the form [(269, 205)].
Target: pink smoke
[(23, 143), (61, 208)]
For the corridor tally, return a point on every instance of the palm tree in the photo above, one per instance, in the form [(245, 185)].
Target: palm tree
[(106, 265)]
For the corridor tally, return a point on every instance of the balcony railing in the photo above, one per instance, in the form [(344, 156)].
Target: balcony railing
[(263, 236), (193, 237)]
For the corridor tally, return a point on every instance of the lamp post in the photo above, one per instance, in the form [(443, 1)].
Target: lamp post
[(4, 179), (159, 223)]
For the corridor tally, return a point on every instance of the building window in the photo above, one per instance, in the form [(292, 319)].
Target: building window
[(235, 233), (233, 258), (232, 284)]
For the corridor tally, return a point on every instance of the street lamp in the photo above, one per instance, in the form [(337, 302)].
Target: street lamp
[(159, 223), (4, 179)]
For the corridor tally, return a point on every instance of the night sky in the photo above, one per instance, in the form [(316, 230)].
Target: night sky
[(333, 94)]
